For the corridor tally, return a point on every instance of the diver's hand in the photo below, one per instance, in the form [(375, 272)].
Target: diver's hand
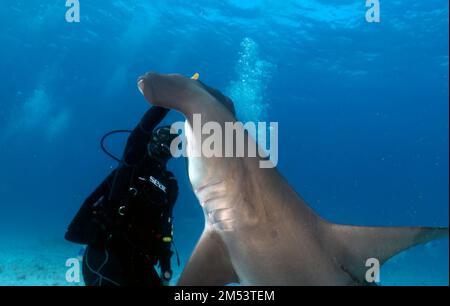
[(166, 277)]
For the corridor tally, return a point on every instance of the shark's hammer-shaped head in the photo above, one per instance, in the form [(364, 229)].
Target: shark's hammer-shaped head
[(174, 91)]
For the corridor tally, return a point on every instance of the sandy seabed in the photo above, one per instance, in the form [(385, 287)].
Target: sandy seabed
[(42, 262)]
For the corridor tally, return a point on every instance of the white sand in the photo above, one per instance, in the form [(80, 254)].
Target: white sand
[(35, 263)]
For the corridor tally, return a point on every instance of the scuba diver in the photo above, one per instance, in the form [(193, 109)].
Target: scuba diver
[(126, 222)]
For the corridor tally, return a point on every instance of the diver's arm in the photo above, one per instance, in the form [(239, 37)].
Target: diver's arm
[(102, 190), (135, 151), (137, 142), (75, 232)]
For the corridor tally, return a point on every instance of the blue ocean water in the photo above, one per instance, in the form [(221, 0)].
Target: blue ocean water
[(362, 109)]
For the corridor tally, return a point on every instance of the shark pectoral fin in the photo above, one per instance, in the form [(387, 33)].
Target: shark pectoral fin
[(210, 264), (363, 243)]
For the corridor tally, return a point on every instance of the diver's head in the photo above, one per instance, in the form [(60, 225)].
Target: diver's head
[(159, 145)]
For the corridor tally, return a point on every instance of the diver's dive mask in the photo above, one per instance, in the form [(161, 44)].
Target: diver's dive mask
[(159, 145)]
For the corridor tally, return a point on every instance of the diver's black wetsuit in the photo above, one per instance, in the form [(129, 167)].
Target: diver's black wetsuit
[(127, 221)]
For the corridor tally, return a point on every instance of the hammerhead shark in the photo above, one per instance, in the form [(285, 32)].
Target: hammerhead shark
[(258, 230)]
